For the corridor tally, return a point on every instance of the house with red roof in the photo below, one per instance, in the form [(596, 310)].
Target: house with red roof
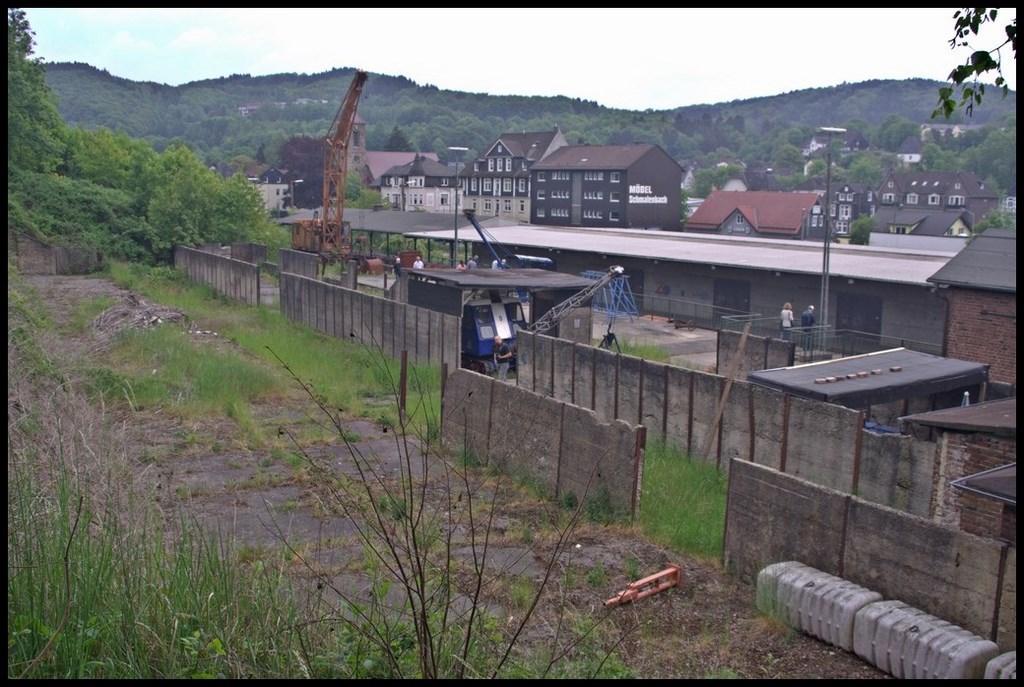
[(766, 214)]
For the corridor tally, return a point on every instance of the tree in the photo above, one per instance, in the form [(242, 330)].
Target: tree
[(967, 22), (860, 230), (35, 131), (398, 142)]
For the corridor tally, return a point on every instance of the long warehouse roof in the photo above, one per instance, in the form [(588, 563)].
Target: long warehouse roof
[(794, 256)]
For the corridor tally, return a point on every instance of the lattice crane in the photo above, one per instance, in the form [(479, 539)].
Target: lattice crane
[(329, 236)]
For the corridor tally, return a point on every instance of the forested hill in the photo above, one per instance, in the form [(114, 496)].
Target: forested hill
[(207, 115)]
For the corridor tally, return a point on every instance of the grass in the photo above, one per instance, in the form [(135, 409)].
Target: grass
[(101, 585), (683, 502)]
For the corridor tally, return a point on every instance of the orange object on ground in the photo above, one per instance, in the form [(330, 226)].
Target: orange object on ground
[(648, 586)]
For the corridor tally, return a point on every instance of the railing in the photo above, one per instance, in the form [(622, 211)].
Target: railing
[(701, 314)]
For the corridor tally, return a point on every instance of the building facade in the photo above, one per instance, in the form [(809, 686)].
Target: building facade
[(626, 186), (422, 185), (497, 184)]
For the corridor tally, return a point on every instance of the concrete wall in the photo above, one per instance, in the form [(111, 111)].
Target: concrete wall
[(388, 326), (966, 580), (239, 281), (821, 442), (298, 262), (37, 257), (563, 448)]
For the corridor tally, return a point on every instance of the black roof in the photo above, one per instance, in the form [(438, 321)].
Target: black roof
[(862, 380), (989, 262)]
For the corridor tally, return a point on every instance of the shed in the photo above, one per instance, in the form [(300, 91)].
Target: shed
[(874, 378)]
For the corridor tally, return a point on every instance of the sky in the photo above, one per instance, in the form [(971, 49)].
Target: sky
[(635, 59)]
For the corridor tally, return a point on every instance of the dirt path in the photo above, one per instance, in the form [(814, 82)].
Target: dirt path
[(707, 627)]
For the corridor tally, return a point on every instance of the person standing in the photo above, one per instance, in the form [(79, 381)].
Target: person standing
[(461, 267), (398, 266), (786, 320), (502, 358), (806, 324), (471, 265), (418, 264)]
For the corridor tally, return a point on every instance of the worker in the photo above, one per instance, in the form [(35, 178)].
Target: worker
[(495, 264), (418, 264), (461, 267), (398, 266), (502, 358), (473, 262)]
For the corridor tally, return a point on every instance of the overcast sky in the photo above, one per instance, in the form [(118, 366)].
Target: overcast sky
[(636, 59)]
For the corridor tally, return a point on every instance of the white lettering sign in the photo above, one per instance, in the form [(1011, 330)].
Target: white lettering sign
[(648, 200)]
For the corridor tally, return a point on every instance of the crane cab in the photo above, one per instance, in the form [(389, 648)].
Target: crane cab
[(483, 318)]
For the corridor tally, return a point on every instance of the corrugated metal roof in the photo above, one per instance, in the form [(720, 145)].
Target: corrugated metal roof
[(513, 278), (997, 483), (988, 262)]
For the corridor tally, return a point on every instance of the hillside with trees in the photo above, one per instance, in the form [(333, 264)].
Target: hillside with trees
[(208, 115)]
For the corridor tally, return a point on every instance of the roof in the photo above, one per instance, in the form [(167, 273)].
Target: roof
[(529, 279), (924, 222), (768, 212), (531, 145), (989, 262), (379, 161), (883, 264), (989, 417), (881, 377), (420, 165), (998, 483), (598, 157), (967, 184)]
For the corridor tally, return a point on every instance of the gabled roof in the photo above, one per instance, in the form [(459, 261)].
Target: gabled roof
[(923, 222), (943, 183), (531, 145), (420, 165), (380, 161), (768, 212), (599, 157), (989, 262)]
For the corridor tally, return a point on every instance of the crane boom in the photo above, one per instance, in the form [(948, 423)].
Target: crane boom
[(329, 236), (549, 319), (492, 244)]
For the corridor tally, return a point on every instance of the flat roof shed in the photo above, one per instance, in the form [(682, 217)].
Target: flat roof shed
[(874, 378)]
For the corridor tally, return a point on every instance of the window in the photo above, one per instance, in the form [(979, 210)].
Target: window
[(911, 199), (956, 201), (740, 220), (487, 185), (490, 164), (444, 181), (845, 212), (507, 185), (613, 197), (487, 205), (508, 205), (934, 199), (613, 216), (541, 176), (522, 205), (842, 228), (888, 198), (541, 194), (522, 185), (540, 212), (592, 214), (614, 177), (473, 185), (508, 164)]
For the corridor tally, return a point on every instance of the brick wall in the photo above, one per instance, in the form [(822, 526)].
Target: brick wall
[(969, 454), (983, 328)]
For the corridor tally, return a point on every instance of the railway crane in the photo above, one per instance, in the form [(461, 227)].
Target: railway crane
[(328, 235)]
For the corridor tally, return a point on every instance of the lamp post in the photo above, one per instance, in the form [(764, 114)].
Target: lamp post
[(831, 131), (457, 151)]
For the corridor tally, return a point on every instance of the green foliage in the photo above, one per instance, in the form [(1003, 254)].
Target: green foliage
[(35, 131), (860, 230), (683, 502), (966, 23)]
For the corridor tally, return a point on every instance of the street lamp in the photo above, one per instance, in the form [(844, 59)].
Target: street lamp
[(831, 131), (458, 151)]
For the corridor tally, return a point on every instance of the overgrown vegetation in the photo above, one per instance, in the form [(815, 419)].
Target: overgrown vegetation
[(106, 574)]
